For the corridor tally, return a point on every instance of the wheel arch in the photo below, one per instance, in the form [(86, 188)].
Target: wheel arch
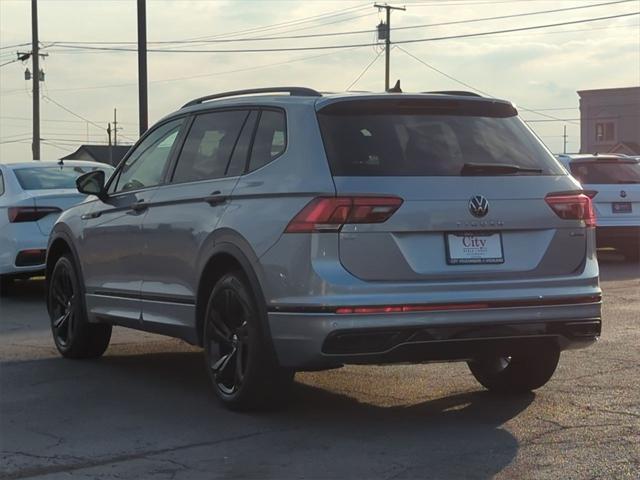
[(229, 252)]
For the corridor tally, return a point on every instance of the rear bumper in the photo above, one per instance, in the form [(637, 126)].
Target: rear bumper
[(325, 340)]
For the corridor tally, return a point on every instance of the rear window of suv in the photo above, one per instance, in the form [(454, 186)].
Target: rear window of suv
[(429, 138), (606, 172)]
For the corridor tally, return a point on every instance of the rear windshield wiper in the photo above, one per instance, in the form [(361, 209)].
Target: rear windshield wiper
[(495, 169)]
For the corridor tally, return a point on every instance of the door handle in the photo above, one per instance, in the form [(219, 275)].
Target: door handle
[(216, 198)]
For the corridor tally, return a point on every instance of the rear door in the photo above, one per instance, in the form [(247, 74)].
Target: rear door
[(615, 183), (473, 180), (186, 211)]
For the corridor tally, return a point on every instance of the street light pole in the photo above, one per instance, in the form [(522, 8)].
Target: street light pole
[(142, 66)]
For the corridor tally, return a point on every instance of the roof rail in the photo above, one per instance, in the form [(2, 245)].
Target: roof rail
[(462, 93), (293, 91)]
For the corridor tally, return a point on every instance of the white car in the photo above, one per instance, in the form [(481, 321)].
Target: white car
[(32, 195), (614, 182)]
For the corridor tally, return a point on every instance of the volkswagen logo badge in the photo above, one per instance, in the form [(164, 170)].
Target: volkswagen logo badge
[(479, 206), (623, 194)]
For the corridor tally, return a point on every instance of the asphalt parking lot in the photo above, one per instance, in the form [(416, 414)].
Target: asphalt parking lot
[(145, 410)]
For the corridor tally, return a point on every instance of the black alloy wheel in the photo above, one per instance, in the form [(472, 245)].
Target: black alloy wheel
[(62, 305), (228, 332), (73, 335), (242, 367)]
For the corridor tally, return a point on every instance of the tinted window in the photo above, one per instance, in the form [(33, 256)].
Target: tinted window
[(146, 165), (1, 184), (241, 152), (209, 146), (432, 141), (270, 140), (606, 172), (43, 178)]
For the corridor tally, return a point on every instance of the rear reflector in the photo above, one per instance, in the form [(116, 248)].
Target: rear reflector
[(329, 214), (28, 258), (30, 214), (576, 206), (468, 306)]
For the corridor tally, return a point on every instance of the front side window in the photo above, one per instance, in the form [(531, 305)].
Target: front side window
[(271, 139), (209, 145), (147, 164)]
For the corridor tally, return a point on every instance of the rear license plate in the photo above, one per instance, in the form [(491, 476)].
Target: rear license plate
[(621, 207), (474, 248)]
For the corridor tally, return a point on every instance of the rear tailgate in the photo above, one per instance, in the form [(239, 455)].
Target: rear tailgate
[(616, 186), (414, 243), (418, 155)]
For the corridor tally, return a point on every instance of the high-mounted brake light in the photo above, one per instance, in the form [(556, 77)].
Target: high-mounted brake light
[(30, 214), (572, 206), (329, 214)]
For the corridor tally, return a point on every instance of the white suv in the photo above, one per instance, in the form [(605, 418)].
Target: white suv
[(614, 182)]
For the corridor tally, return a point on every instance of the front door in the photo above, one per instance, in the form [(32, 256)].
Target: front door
[(111, 247)]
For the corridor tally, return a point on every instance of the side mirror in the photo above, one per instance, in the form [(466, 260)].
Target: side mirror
[(92, 183)]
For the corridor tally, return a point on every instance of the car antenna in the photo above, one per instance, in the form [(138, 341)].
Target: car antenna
[(396, 88), (61, 162)]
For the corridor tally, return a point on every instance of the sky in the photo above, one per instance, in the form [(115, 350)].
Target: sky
[(538, 70)]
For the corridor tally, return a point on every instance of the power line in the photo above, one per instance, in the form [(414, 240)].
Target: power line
[(201, 75), (15, 45), (72, 113), (431, 67), (353, 32), (369, 65), (357, 45), (12, 61)]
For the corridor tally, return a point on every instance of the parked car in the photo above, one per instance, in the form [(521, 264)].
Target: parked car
[(307, 231), (32, 196), (614, 182)]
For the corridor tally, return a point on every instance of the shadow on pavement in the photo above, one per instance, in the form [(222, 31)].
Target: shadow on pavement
[(74, 415)]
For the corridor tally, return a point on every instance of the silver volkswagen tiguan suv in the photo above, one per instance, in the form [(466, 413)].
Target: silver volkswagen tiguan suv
[(284, 230)]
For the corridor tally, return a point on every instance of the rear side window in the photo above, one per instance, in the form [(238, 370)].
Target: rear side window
[(606, 172), (270, 140), (209, 146), (1, 184), (402, 140)]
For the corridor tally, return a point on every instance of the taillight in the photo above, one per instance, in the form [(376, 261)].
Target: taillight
[(575, 206), (30, 214), (329, 214)]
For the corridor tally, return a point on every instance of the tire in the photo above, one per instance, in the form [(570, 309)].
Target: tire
[(73, 335), (241, 365), (520, 373)]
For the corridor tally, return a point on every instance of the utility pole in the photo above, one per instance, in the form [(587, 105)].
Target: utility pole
[(387, 40), (142, 66), (35, 57), (115, 126), (110, 146), (564, 137)]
